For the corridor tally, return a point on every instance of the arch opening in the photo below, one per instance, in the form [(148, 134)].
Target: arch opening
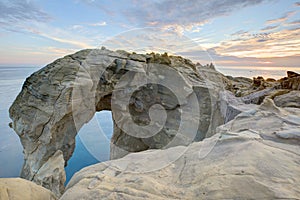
[(92, 143)]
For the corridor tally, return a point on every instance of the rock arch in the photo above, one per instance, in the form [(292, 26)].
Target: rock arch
[(56, 101)]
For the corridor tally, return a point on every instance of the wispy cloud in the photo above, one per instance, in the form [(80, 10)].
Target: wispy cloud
[(297, 4), (293, 23), (281, 19), (270, 28), (234, 61), (240, 33), (58, 35), (77, 27), (99, 24), (25, 17), (278, 44), (173, 14), (151, 39), (19, 11)]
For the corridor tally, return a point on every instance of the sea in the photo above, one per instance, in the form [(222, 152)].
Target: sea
[(93, 140)]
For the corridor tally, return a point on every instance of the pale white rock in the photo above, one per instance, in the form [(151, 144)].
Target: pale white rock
[(279, 127), (232, 165), (254, 156)]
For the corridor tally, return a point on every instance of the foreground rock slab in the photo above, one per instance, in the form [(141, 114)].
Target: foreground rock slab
[(248, 159), (21, 189)]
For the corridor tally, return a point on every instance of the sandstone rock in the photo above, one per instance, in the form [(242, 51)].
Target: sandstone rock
[(240, 85), (47, 178), (268, 121), (257, 97), (291, 99), (291, 74), (271, 80), (292, 81), (21, 189), (258, 82), (157, 101), (255, 156)]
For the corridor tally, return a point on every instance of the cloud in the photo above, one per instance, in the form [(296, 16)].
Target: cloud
[(57, 35), (293, 23), (150, 39), (270, 28), (77, 27), (99, 24), (175, 14), (15, 12), (25, 17), (233, 61), (240, 33), (278, 44), (281, 19), (297, 4)]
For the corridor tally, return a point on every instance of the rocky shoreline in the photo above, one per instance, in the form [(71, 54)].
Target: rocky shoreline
[(223, 137)]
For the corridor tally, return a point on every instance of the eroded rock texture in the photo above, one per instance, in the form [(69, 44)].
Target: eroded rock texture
[(254, 156), (157, 101)]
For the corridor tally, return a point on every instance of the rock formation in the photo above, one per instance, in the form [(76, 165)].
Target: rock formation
[(255, 91), (292, 81), (290, 99), (20, 189), (161, 102), (158, 101), (254, 156)]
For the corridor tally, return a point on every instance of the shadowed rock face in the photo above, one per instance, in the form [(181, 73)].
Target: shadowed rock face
[(157, 101)]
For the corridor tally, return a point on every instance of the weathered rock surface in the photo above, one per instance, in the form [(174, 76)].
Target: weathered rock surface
[(269, 122), (291, 99), (231, 106), (239, 85), (291, 82), (21, 189), (256, 90), (157, 101), (254, 156)]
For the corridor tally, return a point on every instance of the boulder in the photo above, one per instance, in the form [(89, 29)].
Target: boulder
[(21, 189), (254, 156), (292, 81), (239, 85), (157, 101), (257, 97), (291, 74)]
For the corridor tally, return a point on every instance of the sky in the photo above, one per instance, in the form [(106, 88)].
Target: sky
[(256, 33)]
